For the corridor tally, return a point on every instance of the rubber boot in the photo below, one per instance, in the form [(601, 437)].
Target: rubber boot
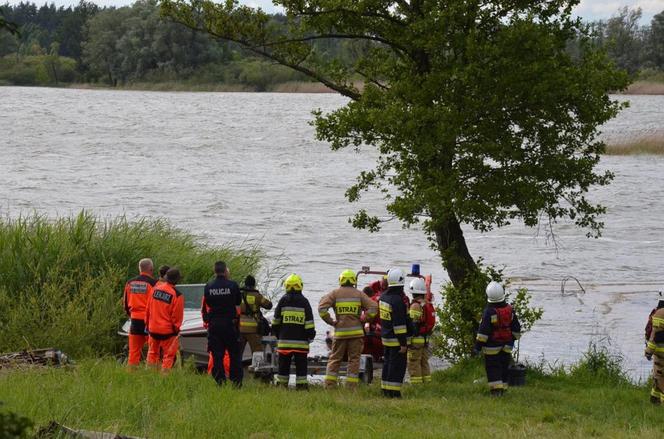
[(386, 393), (497, 393), (655, 400), (302, 387)]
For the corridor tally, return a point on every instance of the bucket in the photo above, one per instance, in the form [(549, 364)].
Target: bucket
[(517, 375)]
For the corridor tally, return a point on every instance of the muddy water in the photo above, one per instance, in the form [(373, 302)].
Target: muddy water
[(244, 167)]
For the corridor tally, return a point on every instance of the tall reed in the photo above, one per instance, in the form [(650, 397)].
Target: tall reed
[(61, 279)]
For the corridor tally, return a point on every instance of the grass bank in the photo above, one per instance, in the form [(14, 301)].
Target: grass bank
[(61, 279), (652, 145), (101, 395)]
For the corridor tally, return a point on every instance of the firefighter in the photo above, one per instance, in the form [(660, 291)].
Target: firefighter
[(423, 317), (251, 319), (221, 310), (137, 292), (655, 351), (495, 338), (163, 320), (293, 325), (395, 332), (348, 303)]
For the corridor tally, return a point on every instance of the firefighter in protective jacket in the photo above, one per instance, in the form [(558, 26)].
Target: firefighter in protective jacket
[(137, 291), (655, 351), (163, 320), (293, 325), (495, 339), (348, 303), (395, 333), (250, 315), (423, 317)]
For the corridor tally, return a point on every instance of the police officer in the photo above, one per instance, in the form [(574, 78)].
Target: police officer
[(395, 332), (137, 292), (655, 351), (221, 309), (495, 338), (348, 303)]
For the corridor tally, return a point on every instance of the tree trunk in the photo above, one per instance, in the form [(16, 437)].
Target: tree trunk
[(453, 249)]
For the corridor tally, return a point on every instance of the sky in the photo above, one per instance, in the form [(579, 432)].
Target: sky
[(588, 9)]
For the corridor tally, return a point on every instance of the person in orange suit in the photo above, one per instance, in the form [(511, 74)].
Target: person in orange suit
[(163, 320), (137, 291)]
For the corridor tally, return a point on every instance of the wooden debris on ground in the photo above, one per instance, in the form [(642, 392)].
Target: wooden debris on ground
[(57, 430), (33, 357)]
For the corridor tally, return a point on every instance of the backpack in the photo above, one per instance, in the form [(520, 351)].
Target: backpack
[(502, 328)]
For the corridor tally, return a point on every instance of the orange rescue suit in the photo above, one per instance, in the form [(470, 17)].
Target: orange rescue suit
[(165, 311), (136, 294)]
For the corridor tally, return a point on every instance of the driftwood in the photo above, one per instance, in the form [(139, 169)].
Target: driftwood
[(33, 357), (57, 430)]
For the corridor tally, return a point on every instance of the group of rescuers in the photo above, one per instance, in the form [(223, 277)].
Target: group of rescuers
[(232, 318)]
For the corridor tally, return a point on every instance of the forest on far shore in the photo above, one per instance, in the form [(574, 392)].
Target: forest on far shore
[(130, 45)]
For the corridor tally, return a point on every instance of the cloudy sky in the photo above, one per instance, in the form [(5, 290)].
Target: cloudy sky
[(588, 9)]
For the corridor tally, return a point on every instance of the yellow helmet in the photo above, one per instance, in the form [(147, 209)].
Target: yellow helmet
[(348, 277), (293, 283)]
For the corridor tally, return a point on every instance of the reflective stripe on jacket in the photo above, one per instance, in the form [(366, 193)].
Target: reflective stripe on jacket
[(485, 335), (293, 323), (655, 344), (165, 311), (395, 329), (137, 291), (416, 314), (348, 304), (250, 307)]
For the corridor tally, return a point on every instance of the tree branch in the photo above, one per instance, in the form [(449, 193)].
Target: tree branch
[(389, 43)]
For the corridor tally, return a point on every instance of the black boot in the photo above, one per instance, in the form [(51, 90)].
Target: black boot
[(386, 393), (496, 392), (655, 400), (302, 387)]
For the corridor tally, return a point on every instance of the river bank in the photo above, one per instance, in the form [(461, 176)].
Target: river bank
[(645, 87), (100, 395)]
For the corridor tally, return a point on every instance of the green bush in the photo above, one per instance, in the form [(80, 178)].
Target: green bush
[(38, 70), (61, 280), (459, 316), (598, 364), (13, 426)]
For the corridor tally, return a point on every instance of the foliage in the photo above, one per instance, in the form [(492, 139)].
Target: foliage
[(598, 363), (101, 395), (460, 314), (13, 426), (471, 129), (61, 280)]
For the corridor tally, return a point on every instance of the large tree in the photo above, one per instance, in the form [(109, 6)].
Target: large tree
[(479, 114)]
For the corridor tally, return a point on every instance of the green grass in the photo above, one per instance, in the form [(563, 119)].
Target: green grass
[(61, 279), (101, 395)]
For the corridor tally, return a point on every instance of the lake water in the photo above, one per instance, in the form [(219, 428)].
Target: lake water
[(244, 167)]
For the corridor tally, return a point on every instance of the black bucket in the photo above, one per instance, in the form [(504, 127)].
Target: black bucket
[(517, 375)]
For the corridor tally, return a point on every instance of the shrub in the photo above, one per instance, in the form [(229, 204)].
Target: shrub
[(459, 316), (598, 364), (13, 426), (61, 281)]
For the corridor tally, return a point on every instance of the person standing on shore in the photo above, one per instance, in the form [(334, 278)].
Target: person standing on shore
[(251, 319), (348, 303), (221, 310), (655, 351), (394, 333), (137, 292), (424, 318), (163, 319), (293, 325), (495, 338)]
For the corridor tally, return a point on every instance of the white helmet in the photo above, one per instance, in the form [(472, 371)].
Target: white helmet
[(495, 292), (395, 277), (417, 286)]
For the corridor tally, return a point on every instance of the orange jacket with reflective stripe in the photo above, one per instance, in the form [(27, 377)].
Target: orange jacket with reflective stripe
[(165, 310), (137, 291)]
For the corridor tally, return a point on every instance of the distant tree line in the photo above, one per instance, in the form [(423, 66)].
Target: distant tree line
[(117, 46)]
